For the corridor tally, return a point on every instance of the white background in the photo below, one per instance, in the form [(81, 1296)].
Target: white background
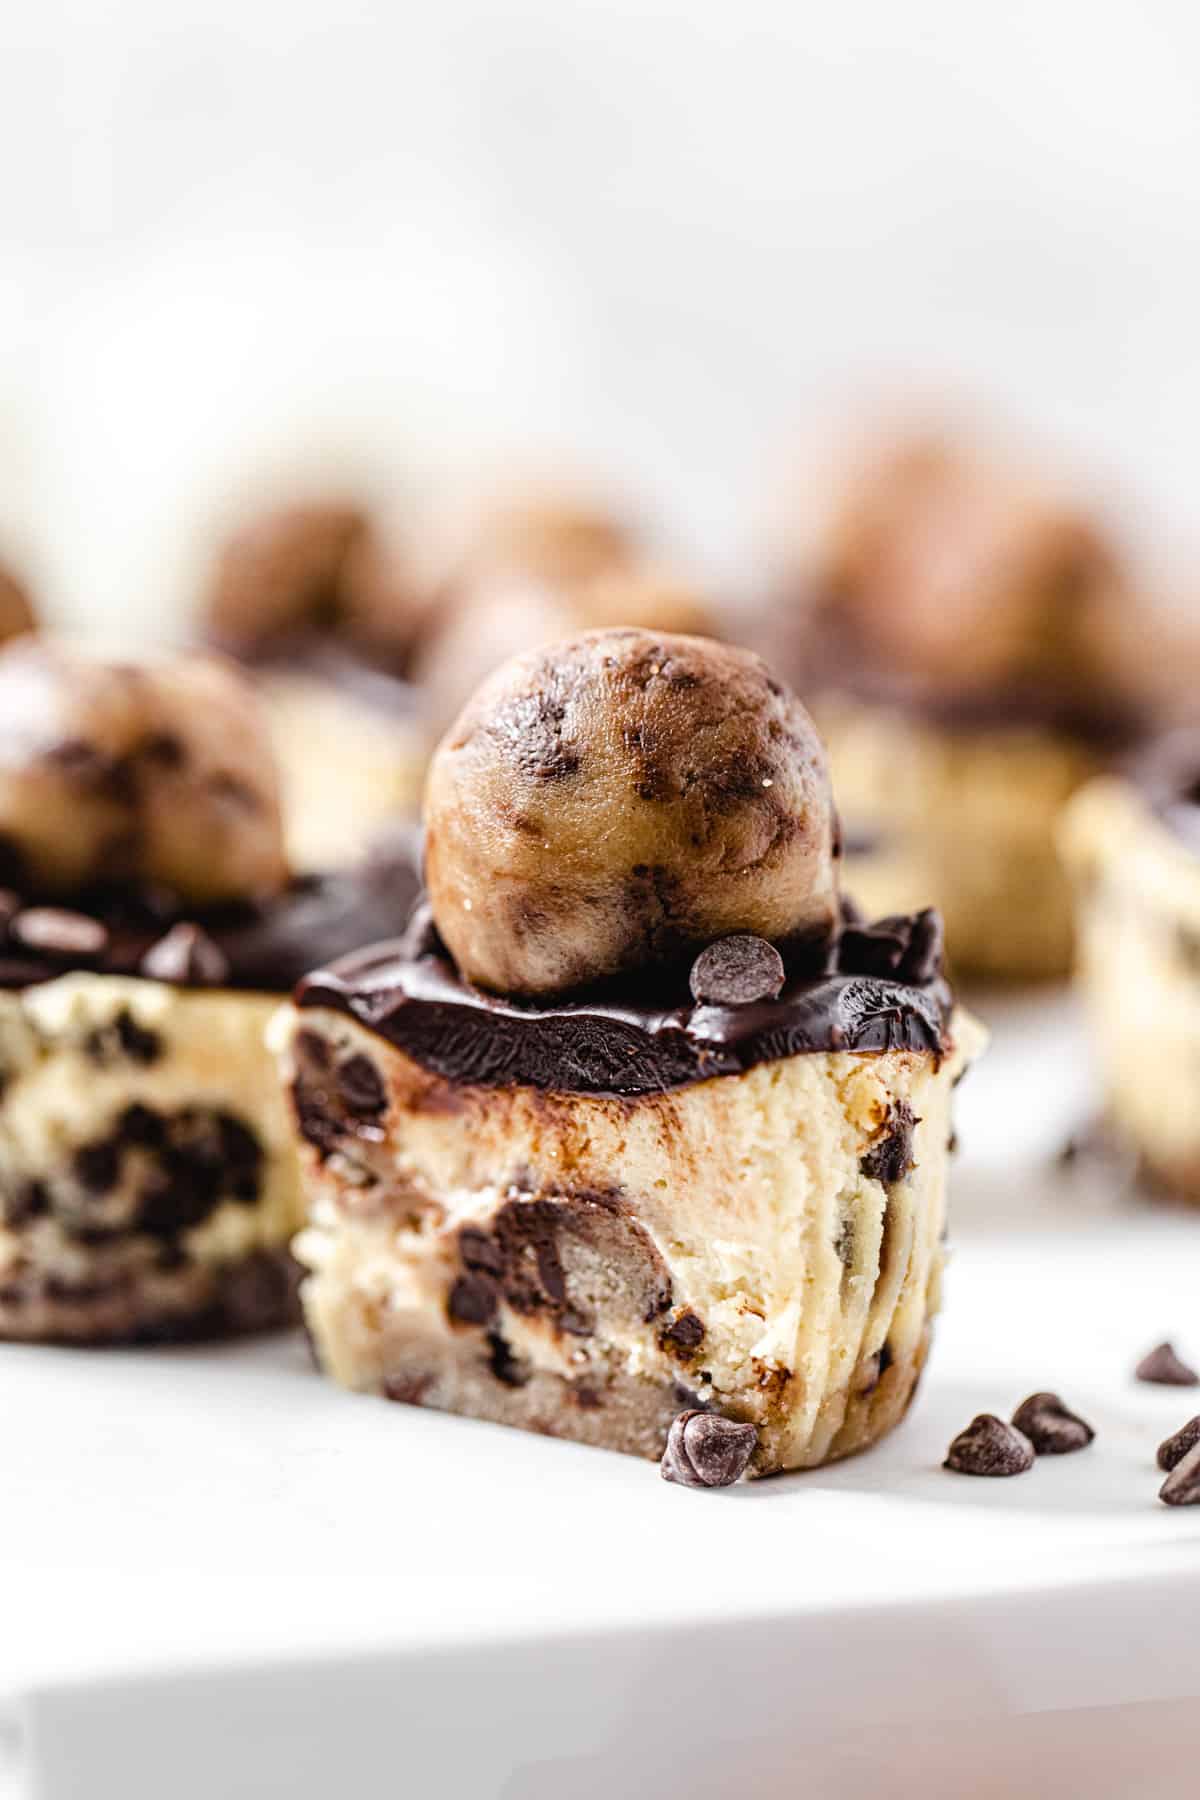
[(269, 234)]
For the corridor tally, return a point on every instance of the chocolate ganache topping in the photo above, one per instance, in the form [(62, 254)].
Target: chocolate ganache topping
[(880, 988), (264, 945)]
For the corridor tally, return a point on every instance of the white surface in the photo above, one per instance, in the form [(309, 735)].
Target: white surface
[(224, 1577)]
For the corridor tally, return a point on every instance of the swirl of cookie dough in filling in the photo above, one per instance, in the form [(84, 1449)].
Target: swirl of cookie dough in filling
[(617, 801)]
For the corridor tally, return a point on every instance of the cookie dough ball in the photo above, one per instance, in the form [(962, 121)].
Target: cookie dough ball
[(305, 569), (491, 620), (556, 539), (963, 571), (135, 774), (617, 801)]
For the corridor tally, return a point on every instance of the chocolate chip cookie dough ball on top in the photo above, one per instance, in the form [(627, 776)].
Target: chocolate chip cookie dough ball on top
[(956, 622), (1131, 842), (634, 1122), (149, 926), (319, 602), (616, 802)]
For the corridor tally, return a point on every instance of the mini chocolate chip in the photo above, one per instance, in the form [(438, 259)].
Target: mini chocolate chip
[(1173, 1449), (164, 749), (890, 1160), (141, 1126), (123, 1038), (29, 1201), (187, 957), (473, 1300), (58, 932), (361, 1086), (97, 1167), (313, 1115), (685, 1334), (705, 1450), (1051, 1427), (1182, 1486), (480, 1251), (1162, 1366), (505, 1365), (737, 971), (989, 1446)]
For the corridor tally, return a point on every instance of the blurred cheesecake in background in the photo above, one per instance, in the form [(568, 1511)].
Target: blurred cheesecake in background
[(365, 643), (973, 646), (1131, 841), (318, 600)]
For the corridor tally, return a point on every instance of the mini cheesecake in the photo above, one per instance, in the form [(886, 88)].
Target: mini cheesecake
[(973, 650), (1131, 843), (149, 927), (579, 1218), (148, 1178)]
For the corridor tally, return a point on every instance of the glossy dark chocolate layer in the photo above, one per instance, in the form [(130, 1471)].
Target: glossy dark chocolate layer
[(626, 1040), (1168, 774), (266, 947)]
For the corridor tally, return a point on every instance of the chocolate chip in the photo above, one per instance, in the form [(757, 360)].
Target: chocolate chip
[(163, 749), (1162, 1366), (314, 1118), (904, 947), (124, 1039), (141, 1126), (891, 1158), (57, 932), (479, 1251), (187, 957), (1182, 1486), (1173, 1449), (705, 1450), (737, 971), (258, 1292), (505, 1365), (473, 1300), (1051, 1427), (361, 1086), (989, 1447), (97, 1167), (28, 1201), (685, 1334)]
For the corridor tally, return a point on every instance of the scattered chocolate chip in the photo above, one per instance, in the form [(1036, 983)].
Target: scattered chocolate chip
[(473, 1300), (1162, 1366), (362, 1087), (685, 1334), (891, 1158), (1182, 1486), (989, 1446), (141, 1126), (1173, 1449), (188, 957), (705, 1450), (736, 971), (1051, 1427), (57, 932)]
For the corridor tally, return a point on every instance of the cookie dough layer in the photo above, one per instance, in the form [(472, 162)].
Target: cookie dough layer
[(767, 1244), (965, 820), (148, 1177), (348, 768), (1138, 896)]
